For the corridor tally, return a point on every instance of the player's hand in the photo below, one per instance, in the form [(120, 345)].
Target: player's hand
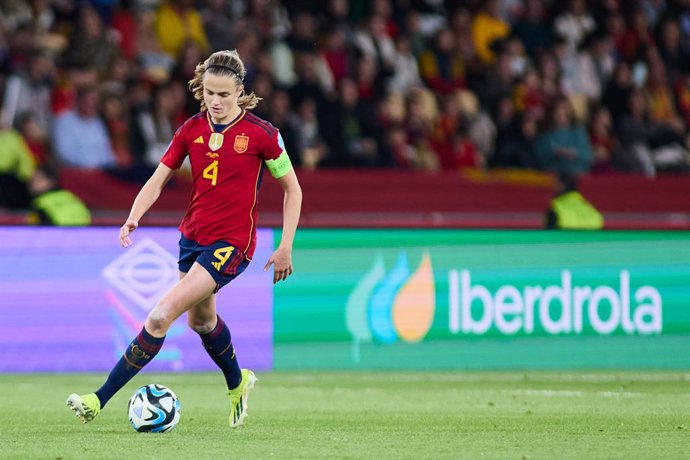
[(127, 230), (282, 264)]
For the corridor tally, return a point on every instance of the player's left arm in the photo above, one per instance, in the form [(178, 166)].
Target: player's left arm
[(292, 204)]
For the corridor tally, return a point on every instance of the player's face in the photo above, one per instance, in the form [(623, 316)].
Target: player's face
[(220, 96)]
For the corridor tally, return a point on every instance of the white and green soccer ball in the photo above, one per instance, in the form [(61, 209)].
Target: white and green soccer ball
[(154, 408)]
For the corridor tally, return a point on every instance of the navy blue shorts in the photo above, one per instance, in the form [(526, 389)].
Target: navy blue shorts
[(221, 259)]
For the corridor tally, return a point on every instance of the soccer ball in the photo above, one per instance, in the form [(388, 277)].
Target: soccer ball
[(154, 408)]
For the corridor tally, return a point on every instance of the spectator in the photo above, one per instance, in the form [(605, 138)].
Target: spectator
[(36, 138), (155, 64), (422, 112), (405, 70), (248, 44), (648, 146), (262, 86), (176, 23), (310, 145), (662, 103), (682, 94), (516, 141), (670, 47), (314, 80), (593, 67), (533, 28), (564, 146), (617, 91), (92, 46), (459, 153), (375, 43), (116, 118), (444, 130), (399, 149), (487, 28), (14, 14), (528, 95), (614, 26), (461, 26), (22, 42), (124, 25), (357, 143), (65, 92), (80, 136), (498, 83), (120, 74), (219, 24), (370, 82), (190, 56), (604, 143), (654, 10), (384, 10), (270, 18), (280, 114), (304, 33), (336, 16), (441, 68), (574, 24), (30, 91), (637, 36), (156, 125), (414, 32), (336, 54)]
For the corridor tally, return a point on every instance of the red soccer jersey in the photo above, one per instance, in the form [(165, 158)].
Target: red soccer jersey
[(227, 167)]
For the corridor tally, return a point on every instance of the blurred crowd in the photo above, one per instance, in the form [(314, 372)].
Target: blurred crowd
[(566, 86)]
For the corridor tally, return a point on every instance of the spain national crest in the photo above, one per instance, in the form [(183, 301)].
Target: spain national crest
[(215, 141), (241, 143)]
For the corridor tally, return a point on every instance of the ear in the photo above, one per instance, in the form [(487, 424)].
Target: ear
[(241, 91)]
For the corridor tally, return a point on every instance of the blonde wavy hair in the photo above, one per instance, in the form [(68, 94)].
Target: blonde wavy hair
[(223, 63)]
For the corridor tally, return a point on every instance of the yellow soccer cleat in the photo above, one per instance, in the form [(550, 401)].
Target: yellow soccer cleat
[(239, 398), (86, 407)]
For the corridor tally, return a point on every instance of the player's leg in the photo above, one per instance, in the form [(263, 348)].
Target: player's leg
[(190, 290), (224, 263), (216, 338)]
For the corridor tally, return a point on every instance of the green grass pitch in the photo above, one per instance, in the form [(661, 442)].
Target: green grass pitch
[(397, 415)]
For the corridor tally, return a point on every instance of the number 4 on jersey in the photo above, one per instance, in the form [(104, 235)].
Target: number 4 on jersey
[(211, 172)]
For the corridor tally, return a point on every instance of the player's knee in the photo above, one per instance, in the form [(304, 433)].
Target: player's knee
[(158, 321), (200, 325)]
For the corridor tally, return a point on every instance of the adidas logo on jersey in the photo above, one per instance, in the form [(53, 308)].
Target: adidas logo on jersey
[(199, 140)]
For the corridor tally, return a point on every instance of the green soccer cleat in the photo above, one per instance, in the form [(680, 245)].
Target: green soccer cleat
[(86, 407), (239, 398)]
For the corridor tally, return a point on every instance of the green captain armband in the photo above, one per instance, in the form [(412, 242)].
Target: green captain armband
[(280, 166)]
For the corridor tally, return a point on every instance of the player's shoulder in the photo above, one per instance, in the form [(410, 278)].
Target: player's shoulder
[(192, 123), (260, 125), (196, 119)]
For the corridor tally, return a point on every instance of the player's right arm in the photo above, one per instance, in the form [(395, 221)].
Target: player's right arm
[(148, 195)]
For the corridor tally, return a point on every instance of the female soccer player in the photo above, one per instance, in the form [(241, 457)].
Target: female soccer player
[(228, 148)]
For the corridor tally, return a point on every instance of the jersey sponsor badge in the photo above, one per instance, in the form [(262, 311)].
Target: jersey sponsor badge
[(215, 141), (199, 140), (241, 143)]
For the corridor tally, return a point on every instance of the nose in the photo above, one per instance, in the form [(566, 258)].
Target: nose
[(215, 101)]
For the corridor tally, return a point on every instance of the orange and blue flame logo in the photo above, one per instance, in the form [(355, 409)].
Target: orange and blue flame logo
[(386, 307)]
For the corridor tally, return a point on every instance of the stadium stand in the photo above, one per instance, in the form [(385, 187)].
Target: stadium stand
[(391, 198), (413, 113)]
